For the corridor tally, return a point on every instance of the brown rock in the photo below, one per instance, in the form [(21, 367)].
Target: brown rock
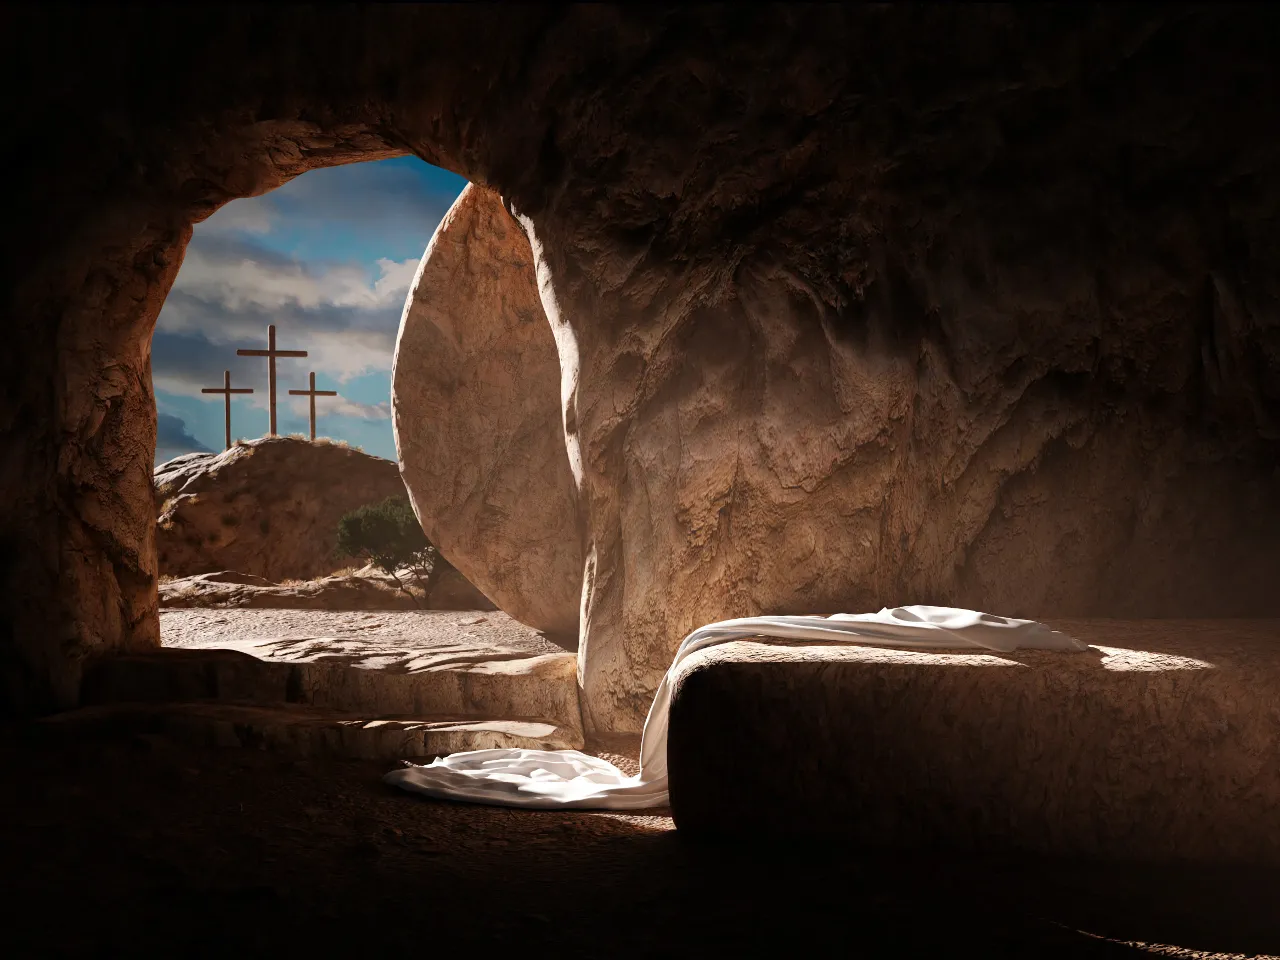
[(401, 671), (268, 507), (390, 663), (1160, 743), (476, 402), (367, 589), (452, 591)]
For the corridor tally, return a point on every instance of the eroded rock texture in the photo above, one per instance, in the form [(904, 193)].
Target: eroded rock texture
[(854, 304), (475, 401), (269, 508), (1159, 743), (366, 589)]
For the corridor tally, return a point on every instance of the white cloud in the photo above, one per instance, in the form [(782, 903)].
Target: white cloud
[(349, 354), (237, 283), (340, 406), (229, 291), (236, 217), (396, 279)]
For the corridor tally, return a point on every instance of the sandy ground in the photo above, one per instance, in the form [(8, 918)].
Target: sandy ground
[(384, 634), (138, 847)]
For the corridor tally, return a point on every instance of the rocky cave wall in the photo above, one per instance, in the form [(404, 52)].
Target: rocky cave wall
[(858, 306)]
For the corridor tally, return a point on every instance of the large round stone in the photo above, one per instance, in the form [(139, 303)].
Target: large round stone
[(475, 398)]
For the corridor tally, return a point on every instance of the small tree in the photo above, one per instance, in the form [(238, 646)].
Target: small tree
[(389, 535)]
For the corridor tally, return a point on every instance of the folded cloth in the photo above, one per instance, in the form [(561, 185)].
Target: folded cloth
[(566, 779)]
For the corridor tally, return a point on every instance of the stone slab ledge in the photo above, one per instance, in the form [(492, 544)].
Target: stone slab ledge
[(303, 732), (1160, 742)]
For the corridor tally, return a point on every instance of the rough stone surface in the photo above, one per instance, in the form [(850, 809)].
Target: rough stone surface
[(408, 667), (366, 589), (303, 732), (854, 304), (1162, 742), (406, 637), (453, 591), (475, 400), (388, 664), (267, 507)]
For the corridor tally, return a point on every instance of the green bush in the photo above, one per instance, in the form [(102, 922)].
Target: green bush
[(388, 535)]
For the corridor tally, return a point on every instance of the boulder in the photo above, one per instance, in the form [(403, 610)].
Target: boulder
[(475, 399), (268, 508)]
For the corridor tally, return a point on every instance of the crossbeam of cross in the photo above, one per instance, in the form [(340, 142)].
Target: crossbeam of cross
[(313, 393), (271, 353), (226, 392)]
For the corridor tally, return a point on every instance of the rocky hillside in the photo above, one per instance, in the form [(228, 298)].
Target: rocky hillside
[(267, 507)]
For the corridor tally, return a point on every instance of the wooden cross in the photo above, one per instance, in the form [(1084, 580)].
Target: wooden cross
[(313, 393), (271, 353), (226, 391)]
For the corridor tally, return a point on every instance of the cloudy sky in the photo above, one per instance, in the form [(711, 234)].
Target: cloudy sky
[(327, 258)]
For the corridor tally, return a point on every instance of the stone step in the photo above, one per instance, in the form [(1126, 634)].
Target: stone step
[(1162, 742), (544, 687), (306, 732)]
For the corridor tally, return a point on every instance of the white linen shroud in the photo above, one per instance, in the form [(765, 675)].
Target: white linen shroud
[(566, 779)]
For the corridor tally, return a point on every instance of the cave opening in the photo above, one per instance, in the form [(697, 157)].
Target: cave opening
[(300, 546), (329, 258), (326, 260)]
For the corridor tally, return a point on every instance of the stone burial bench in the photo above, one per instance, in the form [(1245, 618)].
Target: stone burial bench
[(1162, 742)]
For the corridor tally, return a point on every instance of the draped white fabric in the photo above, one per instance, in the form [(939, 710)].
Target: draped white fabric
[(563, 779)]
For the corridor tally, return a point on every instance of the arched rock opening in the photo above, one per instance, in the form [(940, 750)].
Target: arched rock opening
[(903, 305)]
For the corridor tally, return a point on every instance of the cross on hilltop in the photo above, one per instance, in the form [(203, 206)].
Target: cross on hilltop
[(313, 393), (226, 392), (271, 353)]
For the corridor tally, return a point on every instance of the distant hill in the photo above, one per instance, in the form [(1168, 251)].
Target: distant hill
[(268, 507)]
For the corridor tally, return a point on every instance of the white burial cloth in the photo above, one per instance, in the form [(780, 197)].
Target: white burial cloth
[(565, 779)]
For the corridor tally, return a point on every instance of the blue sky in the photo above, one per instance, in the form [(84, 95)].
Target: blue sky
[(328, 258)]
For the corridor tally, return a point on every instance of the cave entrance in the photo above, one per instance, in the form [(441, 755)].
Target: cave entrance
[(317, 272), (295, 545), (331, 266)]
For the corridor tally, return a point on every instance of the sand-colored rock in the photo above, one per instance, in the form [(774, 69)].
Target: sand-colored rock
[(366, 589), (476, 406), (1161, 742), (267, 507), (410, 667), (402, 640)]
